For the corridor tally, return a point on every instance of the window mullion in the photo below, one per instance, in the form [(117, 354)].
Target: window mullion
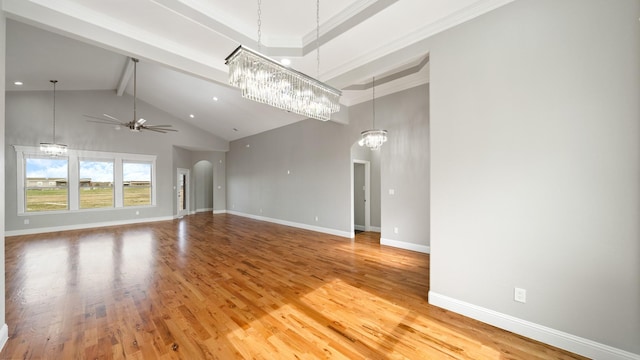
[(117, 174), (73, 183)]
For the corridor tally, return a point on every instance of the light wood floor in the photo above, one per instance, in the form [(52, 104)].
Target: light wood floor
[(226, 287)]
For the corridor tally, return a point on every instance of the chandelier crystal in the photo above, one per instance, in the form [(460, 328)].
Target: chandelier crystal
[(265, 80), (53, 149), (373, 138)]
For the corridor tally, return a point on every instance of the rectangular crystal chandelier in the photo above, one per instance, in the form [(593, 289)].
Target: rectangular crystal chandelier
[(265, 80)]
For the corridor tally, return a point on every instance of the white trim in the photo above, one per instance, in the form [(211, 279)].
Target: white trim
[(345, 234), (219, 212), (563, 340), (203, 210), (405, 245), (84, 226), (371, 228), (4, 336)]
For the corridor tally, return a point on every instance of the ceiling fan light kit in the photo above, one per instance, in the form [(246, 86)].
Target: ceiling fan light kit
[(267, 81), (53, 149)]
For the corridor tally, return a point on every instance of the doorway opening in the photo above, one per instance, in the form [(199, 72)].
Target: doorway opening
[(361, 195), (183, 192)]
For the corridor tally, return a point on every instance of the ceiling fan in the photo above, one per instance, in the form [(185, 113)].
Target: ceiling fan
[(135, 125)]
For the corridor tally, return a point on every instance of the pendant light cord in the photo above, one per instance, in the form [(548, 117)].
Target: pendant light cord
[(373, 86), (54, 109)]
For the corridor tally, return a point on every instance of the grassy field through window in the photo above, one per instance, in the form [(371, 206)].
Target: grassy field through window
[(58, 199), (51, 199)]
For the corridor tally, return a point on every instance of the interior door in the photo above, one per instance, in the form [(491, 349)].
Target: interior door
[(183, 192)]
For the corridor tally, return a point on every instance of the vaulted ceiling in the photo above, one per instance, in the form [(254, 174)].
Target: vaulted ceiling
[(182, 44)]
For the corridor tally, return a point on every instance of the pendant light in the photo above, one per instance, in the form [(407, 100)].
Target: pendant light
[(53, 149), (373, 138), (267, 81)]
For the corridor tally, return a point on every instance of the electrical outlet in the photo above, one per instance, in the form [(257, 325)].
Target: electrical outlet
[(395, 230), (520, 295), (316, 218), (26, 221), (137, 212), (260, 210)]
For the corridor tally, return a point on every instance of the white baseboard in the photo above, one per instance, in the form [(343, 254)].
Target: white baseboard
[(294, 224), (362, 228), (219, 211), (84, 226), (405, 245), (204, 210), (4, 336), (531, 330)]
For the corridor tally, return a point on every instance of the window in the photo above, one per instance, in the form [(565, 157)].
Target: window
[(83, 181), (96, 184), (46, 184), (136, 184)]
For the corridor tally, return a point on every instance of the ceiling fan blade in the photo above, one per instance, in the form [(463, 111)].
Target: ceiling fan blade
[(156, 130), (158, 125), (141, 121), (110, 121), (159, 128), (113, 118), (104, 122)]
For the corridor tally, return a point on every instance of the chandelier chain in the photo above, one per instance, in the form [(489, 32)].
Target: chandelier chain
[(318, 37), (260, 25)]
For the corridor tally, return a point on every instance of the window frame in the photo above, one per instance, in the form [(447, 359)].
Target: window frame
[(73, 180)]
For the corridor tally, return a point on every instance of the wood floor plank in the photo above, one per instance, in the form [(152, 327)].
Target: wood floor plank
[(226, 287)]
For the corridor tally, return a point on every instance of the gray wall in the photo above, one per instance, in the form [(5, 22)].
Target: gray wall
[(203, 185), (28, 122), (404, 167), (535, 152), (318, 156)]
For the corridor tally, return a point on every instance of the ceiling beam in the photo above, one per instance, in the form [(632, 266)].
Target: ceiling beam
[(126, 76)]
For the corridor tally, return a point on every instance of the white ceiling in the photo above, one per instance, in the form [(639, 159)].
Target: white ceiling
[(182, 44)]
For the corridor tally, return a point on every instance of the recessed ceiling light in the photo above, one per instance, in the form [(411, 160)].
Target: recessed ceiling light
[(17, 83), (215, 98), (191, 116), (285, 62)]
